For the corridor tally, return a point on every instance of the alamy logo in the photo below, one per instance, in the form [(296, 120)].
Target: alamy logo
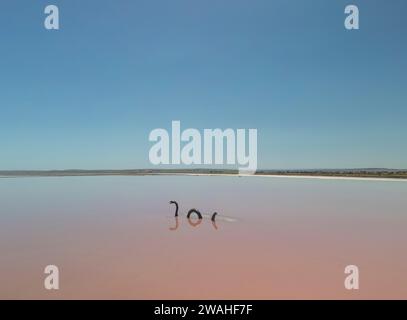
[(190, 148), (352, 20), (352, 280), (51, 282), (52, 20)]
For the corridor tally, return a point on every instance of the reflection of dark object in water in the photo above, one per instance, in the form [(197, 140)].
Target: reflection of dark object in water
[(190, 221), (176, 207), (176, 224), (194, 224), (196, 211)]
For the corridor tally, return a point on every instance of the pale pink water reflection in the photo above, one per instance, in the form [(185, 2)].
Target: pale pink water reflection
[(116, 237)]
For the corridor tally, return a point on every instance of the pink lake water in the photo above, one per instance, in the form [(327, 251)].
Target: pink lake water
[(112, 237)]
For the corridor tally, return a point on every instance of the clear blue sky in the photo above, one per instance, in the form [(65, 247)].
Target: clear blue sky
[(88, 95)]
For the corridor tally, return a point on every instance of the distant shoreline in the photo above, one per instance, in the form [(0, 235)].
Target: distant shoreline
[(348, 174)]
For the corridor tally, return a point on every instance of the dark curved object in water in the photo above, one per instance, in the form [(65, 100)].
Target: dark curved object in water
[(192, 211), (213, 216), (176, 207)]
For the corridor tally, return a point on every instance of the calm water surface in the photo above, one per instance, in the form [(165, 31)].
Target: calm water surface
[(116, 237)]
